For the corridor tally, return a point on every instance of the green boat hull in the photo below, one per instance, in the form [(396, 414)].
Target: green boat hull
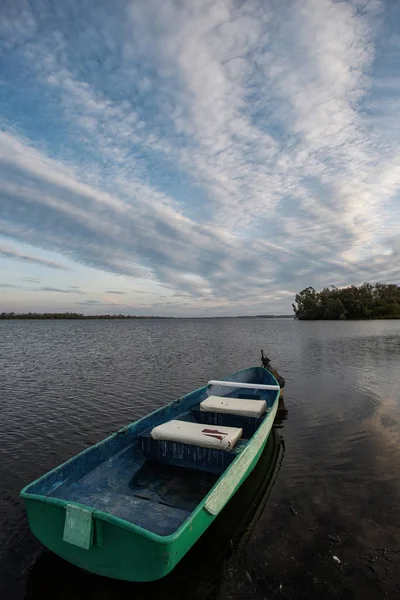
[(121, 550)]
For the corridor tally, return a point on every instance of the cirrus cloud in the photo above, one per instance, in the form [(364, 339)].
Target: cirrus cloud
[(11, 252)]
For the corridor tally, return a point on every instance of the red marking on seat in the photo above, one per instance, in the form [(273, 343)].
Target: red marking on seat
[(213, 431), (219, 435)]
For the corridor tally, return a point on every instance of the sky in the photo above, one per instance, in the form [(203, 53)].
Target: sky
[(196, 158)]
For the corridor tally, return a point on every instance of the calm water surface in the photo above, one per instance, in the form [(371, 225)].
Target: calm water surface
[(320, 518)]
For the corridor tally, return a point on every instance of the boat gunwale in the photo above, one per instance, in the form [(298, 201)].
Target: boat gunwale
[(123, 523)]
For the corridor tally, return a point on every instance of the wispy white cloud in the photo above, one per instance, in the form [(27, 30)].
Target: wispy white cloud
[(48, 288), (11, 252), (226, 151), (115, 292)]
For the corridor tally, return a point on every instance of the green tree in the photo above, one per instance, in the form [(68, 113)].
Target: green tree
[(363, 302), (307, 304)]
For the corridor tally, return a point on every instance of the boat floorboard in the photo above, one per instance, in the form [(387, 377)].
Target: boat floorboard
[(155, 496), (180, 487), (160, 519)]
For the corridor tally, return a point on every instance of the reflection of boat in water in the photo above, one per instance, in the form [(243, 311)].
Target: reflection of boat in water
[(281, 414), (199, 573)]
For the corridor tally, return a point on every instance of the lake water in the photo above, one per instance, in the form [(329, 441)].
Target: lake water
[(320, 518)]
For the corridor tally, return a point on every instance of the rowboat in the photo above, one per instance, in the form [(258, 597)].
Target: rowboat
[(201, 571), (203, 568), (132, 506)]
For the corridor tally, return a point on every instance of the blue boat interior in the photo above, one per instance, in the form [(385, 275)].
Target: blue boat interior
[(156, 484)]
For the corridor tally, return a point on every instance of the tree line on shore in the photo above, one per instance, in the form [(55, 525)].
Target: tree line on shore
[(67, 315), (367, 301)]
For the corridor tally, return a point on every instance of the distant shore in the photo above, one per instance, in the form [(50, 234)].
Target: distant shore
[(76, 316)]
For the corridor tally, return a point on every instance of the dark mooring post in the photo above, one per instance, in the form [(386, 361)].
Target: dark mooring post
[(266, 363)]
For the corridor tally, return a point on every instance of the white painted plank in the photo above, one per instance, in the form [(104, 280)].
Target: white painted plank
[(245, 407), (249, 386), (198, 434)]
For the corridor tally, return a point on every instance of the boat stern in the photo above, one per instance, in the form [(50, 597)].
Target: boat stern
[(97, 543)]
